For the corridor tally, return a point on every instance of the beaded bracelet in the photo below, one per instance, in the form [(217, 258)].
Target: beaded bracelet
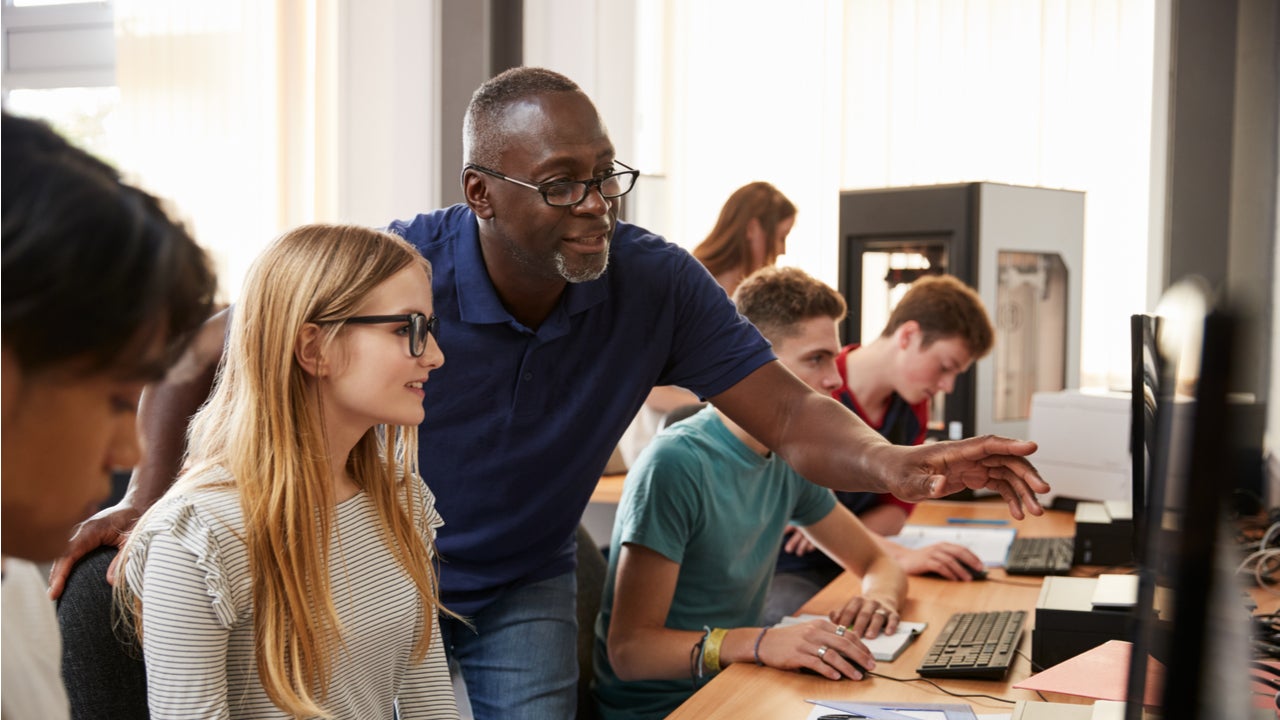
[(760, 637), (695, 658)]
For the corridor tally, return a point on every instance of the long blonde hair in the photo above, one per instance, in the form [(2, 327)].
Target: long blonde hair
[(264, 426)]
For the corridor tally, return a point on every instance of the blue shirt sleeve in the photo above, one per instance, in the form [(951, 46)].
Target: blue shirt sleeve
[(712, 346)]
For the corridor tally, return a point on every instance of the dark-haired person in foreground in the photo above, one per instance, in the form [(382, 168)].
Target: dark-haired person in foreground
[(558, 320), (101, 292)]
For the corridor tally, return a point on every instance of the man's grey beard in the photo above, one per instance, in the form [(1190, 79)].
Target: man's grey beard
[(587, 274)]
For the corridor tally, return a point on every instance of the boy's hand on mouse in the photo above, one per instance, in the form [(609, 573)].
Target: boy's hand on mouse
[(867, 616), (946, 560), (833, 651)]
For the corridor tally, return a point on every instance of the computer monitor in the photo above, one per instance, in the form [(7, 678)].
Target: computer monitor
[(1144, 384), (1185, 620)]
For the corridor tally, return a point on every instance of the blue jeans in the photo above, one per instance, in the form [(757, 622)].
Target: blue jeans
[(521, 660)]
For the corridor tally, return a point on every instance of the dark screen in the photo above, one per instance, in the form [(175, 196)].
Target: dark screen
[(1185, 498), (1144, 390)]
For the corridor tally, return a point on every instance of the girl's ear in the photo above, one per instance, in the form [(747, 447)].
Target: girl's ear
[(309, 351)]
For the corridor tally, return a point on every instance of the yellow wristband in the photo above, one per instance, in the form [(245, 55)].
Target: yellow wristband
[(711, 654)]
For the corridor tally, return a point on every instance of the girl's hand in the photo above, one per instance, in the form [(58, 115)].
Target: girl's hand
[(868, 616), (830, 650)]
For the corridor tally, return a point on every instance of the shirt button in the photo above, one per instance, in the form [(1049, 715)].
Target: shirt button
[(528, 376)]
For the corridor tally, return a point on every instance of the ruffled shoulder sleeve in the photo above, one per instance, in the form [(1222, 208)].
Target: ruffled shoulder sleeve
[(428, 518), (208, 527)]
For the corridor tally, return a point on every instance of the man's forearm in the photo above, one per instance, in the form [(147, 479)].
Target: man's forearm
[(163, 415), (819, 437), (829, 445)]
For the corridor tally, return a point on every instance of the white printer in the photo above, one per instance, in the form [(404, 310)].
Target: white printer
[(1083, 439)]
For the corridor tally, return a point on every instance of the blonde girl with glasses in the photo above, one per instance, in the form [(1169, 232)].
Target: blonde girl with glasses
[(290, 570)]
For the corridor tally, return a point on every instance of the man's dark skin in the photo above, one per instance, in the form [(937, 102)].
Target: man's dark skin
[(530, 250)]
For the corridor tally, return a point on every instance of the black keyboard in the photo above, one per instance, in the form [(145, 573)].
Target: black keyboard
[(975, 645), (1040, 556)]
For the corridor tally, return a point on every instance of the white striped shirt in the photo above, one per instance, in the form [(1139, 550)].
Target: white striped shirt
[(191, 569)]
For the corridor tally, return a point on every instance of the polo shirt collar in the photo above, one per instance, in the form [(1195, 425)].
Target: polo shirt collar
[(478, 301)]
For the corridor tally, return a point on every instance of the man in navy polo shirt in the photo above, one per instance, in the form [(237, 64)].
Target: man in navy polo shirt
[(557, 320)]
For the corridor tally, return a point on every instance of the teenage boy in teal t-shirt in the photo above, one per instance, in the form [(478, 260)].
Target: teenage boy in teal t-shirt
[(697, 532)]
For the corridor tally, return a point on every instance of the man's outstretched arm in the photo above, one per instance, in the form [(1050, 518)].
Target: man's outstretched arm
[(163, 413), (831, 446)]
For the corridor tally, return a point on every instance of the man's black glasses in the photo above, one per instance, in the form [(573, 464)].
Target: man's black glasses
[(567, 193), (417, 324)]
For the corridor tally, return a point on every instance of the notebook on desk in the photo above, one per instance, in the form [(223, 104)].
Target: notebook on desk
[(891, 710), (990, 544), (1100, 710), (884, 648)]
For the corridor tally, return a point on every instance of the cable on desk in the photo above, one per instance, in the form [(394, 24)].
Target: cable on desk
[(1034, 667), (1274, 699), (1259, 666), (872, 673), (1260, 671), (1266, 635), (1264, 560)]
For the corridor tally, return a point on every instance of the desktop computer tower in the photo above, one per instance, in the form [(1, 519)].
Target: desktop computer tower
[(1020, 247)]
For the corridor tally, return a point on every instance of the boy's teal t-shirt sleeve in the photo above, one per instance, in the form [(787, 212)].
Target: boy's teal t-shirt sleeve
[(660, 506), (813, 502)]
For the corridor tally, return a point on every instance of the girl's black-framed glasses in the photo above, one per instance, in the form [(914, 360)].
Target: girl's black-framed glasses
[(417, 325)]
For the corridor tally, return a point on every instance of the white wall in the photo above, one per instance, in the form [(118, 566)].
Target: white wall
[(388, 154)]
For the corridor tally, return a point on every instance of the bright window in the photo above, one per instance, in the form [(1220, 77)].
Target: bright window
[(820, 97), (81, 114)]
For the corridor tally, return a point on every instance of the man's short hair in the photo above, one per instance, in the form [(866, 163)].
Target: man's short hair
[(482, 142), (777, 299), (944, 307)]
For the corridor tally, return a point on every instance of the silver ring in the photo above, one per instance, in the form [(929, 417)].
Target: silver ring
[(840, 630), (882, 611), (822, 651)]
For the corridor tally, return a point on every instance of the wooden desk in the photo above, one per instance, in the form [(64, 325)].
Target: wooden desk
[(748, 691), (609, 489)]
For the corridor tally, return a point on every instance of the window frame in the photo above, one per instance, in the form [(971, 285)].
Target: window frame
[(75, 45)]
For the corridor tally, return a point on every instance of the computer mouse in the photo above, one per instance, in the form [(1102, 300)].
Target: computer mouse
[(976, 573), (856, 666)]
